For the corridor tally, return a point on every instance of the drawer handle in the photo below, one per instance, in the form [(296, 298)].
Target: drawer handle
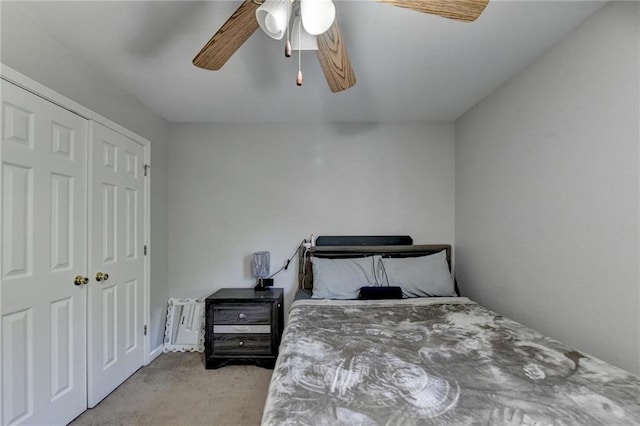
[(242, 316), (241, 343)]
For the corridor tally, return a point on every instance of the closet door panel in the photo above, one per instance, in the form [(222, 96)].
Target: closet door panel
[(116, 314), (44, 232)]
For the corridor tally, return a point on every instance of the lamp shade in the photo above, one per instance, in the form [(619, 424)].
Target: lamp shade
[(317, 15), (300, 39), (273, 17), (261, 264)]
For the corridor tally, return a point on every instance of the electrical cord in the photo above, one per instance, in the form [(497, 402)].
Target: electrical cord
[(303, 263), (288, 261)]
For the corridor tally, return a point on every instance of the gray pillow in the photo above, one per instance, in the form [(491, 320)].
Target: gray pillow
[(342, 278), (419, 276)]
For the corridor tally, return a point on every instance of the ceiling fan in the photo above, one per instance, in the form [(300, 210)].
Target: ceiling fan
[(315, 19)]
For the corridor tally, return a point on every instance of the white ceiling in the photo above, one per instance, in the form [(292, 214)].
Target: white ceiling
[(409, 66)]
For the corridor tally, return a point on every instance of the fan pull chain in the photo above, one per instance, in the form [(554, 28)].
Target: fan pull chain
[(287, 49), (287, 45), (299, 76)]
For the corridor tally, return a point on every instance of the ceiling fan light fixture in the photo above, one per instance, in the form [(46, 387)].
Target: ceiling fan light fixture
[(317, 15), (273, 17), (301, 39)]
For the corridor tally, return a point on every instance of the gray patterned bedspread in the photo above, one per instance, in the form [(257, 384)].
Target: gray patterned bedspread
[(436, 361)]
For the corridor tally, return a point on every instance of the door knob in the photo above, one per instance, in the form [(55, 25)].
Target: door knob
[(80, 280), (101, 277)]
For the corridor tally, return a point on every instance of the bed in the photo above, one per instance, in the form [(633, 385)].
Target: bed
[(431, 360)]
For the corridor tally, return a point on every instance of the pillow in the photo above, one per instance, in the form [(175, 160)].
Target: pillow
[(419, 276), (342, 278)]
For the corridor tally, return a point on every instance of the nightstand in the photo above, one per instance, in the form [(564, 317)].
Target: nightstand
[(243, 324)]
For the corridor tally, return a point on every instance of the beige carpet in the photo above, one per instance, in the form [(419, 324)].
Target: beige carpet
[(176, 389)]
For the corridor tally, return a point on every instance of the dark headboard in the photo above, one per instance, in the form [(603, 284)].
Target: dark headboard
[(364, 240), (305, 272)]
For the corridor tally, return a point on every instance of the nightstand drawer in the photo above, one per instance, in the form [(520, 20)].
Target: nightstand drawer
[(242, 344), (241, 329), (244, 313)]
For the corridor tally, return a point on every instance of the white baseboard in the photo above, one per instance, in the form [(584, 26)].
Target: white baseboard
[(155, 353)]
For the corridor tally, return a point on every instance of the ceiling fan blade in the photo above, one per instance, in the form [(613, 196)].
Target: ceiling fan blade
[(233, 33), (334, 60), (461, 10)]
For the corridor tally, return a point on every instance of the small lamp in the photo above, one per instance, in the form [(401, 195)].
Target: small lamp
[(260, 267), (273, 17), (317, 15)]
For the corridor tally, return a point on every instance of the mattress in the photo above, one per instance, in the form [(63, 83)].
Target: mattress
[(436, 361)]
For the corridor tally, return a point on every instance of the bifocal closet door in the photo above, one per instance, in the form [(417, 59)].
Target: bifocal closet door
[(116, 249), (44, 244)]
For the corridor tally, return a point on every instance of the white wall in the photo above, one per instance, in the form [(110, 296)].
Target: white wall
[(547, 191), (31, 51), (235, 189)]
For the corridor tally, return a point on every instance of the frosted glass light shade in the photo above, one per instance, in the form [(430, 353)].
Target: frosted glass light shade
[(261, 264), (300, 39), (317, 15), (273, 17)]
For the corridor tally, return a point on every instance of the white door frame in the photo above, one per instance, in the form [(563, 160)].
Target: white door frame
[(13, 76)]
